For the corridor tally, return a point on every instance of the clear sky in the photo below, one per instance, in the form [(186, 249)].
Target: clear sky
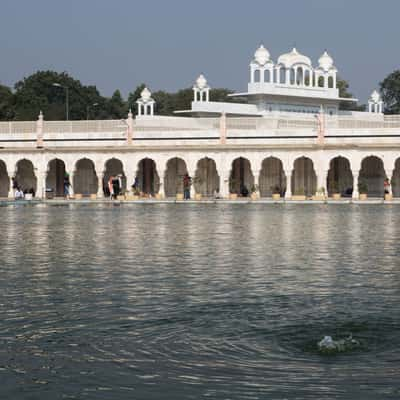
[(117, 44)]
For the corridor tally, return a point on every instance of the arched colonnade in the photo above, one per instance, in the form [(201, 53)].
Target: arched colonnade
[(301, 175)]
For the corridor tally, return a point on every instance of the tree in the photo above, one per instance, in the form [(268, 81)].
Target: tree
[(390, 89), (6, 103), (37, 93), (343, 87), (116, 106)]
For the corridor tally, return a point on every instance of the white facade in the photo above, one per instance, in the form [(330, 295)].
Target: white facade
[(233, 146)]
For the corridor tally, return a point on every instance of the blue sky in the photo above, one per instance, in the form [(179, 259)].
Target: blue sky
[(166, 43)]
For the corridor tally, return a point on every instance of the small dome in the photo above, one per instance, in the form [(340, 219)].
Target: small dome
[(375, 96), (261, 56), (292, 58), (145, 95), (325, 61), (201, 82)]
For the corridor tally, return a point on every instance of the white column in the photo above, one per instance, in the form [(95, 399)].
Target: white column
[(224, 183), (295, 76), (100, 192), (71, 181), (192, 174), (287, 76), (334, 80), (389, 175), (41, 183), (10, 189), (369, 106), (288, 173), (161, 175), (322, 178), (355, 183), (251, 74)]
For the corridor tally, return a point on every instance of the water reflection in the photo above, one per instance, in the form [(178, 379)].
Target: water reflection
[(185, 301)]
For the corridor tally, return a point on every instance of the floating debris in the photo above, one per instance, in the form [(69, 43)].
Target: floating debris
[(329, 346)]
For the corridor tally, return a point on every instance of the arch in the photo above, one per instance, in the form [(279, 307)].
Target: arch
[(330, 82), (85, 180), (372, 174), (147, 176), (4, 180), (241, 179), (396, 179), (272, 177), (257, 75), (206, 181), (292, 76), (25, 176), (113, 167), (308, 78), (282, 75), (304, 179), (267, 76), (321, 81), (55, 176), (340, 177), (173, 179), (299, 76)]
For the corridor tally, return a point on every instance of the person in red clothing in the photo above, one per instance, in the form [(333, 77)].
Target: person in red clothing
[(187, 182)]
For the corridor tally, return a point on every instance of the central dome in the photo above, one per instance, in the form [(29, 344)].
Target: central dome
[(261, 55), (292, 58)]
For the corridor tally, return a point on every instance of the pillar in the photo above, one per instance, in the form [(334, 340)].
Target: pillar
[(129, 122), (287, 76), (71, 181), (192, 174), (322, 177), (288, 173), (39, 131), (41, 183), (222, 129), (100, 174), (224, 183), (389, 173), (161, 191), (355, 183), (10, 189)]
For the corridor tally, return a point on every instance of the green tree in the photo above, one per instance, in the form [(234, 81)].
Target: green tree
[(343, 87), (37, 92), (390, 89), (116, 106), (6, 103)]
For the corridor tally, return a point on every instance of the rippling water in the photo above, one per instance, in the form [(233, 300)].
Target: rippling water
[(198, 301)]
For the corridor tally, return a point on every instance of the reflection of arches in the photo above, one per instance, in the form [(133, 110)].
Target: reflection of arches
[(55, 176), (272, 178), (304, 179), (340, 177), (206, 180), (148, 179), (113, 167), (396, 179), (372, 174), (25, 176), (241, 176), (85, 178), (4, 180), (173, 180)]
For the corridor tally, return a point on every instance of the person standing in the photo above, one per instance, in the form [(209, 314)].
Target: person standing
[(110, 187), (187, 182), (67, 184)]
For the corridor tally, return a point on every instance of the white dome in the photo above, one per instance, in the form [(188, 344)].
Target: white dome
[(375, 96), (145, 95), (325, 61), (201, 82), (261, 55), (292, 58)]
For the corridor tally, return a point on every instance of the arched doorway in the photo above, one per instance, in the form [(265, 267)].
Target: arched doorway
[(55, 177), (396, 179), (241, 179), (148, 179), (272, 178), (25, 177), (173, 180), (4, 180), (372, 174), (304, 179), (113, 167), (85, 178), (206, 181), (340, 177)]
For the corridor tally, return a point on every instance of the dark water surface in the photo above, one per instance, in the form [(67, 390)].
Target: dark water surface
[(198, 301)]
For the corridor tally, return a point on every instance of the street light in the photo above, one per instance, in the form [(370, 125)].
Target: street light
[(66, 98), (88, 107)]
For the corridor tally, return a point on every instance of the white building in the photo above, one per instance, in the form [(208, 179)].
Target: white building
[(287, 136)]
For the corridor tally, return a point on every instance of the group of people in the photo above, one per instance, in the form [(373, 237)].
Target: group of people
[(19, 193)]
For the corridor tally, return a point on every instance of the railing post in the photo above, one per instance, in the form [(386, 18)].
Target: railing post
[(39, 131), (129, 132), (222, 129)]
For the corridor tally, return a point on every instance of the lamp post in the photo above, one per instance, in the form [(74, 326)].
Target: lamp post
[(66, 98), (88, 108)]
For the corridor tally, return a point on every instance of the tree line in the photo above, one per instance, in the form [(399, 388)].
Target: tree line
[(38, 92)]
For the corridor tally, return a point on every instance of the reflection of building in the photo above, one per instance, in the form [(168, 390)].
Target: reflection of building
[(286, 136)]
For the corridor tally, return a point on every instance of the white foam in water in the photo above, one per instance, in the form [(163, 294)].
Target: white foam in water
[(328, 345)]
